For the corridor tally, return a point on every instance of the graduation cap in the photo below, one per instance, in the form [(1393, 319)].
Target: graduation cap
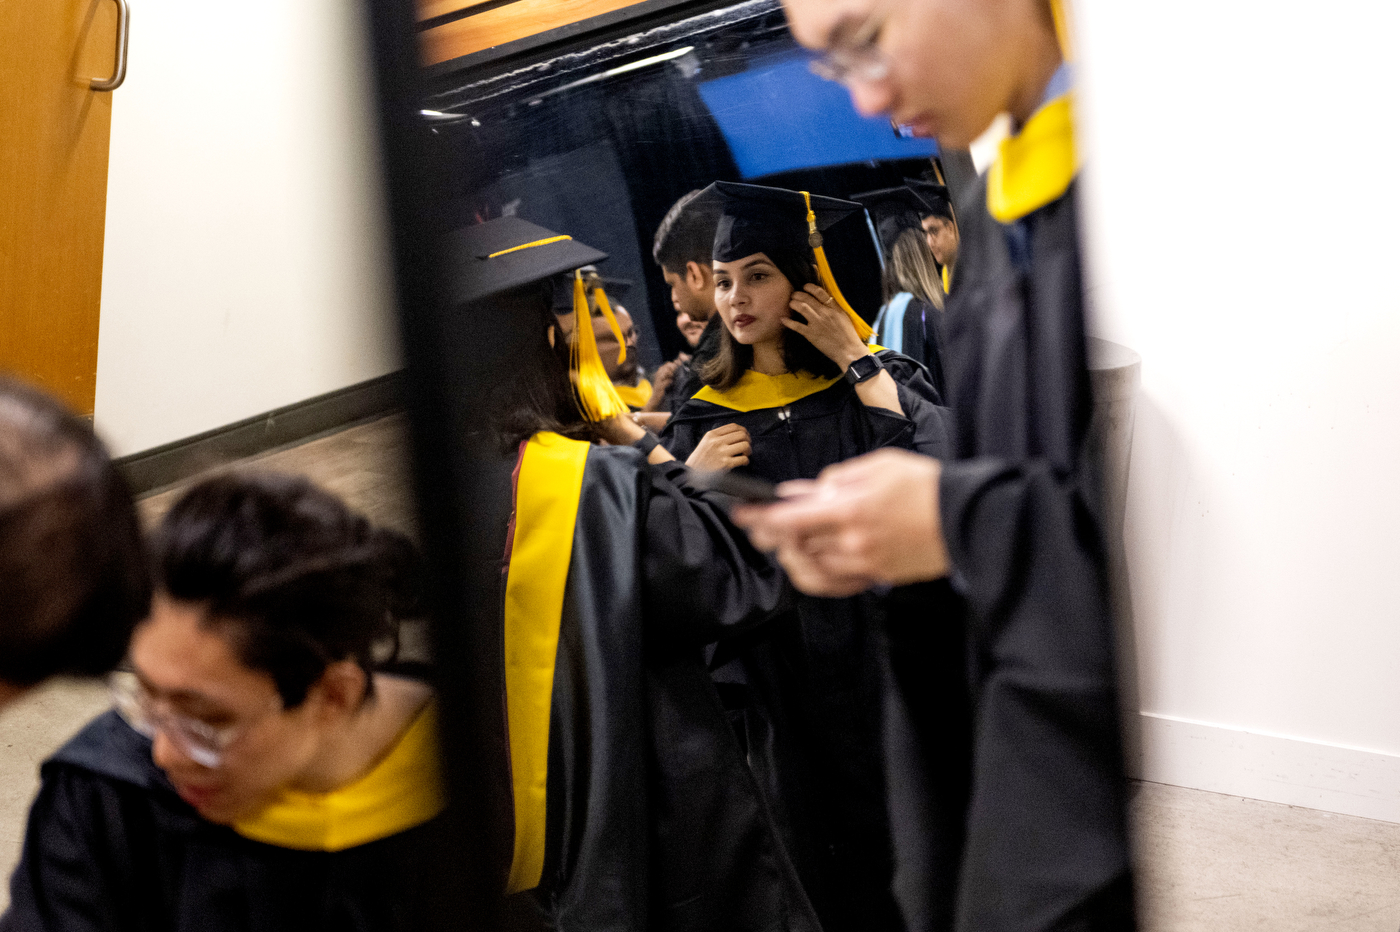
[(754, 218), (616, 288), (937, 199), (893, 210), (497, 256), (501, 255)]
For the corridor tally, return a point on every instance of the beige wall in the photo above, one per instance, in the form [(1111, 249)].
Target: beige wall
[(1242, 214), (244, 267)]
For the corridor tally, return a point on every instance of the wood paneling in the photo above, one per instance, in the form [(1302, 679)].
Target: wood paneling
[(54, 135), (506, 24), (427, 9)]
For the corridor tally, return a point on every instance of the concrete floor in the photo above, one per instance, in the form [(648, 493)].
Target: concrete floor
[(1206, 862)]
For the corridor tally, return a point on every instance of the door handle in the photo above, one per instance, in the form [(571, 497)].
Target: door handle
[(119, 68)]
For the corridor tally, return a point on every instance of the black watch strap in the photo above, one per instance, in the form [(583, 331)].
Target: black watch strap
[(866, 367), (647, 443)]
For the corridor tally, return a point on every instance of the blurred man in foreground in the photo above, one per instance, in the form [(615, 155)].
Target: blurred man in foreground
[(1013, 516), (73, 577)]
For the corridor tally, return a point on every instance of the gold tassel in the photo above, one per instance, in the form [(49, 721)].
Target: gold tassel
[(606, 307), (827, 279), (597, 398)]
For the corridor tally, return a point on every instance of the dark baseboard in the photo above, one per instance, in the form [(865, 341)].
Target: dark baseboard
[(166, 465)]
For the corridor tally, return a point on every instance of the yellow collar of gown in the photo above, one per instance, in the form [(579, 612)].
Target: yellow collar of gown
[(635, 396), (402, 791), (1035, 167), (755, 391)]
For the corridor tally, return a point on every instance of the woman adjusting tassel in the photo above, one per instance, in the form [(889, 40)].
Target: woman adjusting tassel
[(795, 376)]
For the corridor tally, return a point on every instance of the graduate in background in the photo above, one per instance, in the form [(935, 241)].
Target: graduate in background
[(940, 225), (682, 247), (260, 771), (1014, 513), (911, 319), (631, 806), (795, 376), (73, 577)]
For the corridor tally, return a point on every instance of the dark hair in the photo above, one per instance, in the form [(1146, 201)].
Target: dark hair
[(686, 234), (538, 394), (297, 579), (733, 359), (73, 573)]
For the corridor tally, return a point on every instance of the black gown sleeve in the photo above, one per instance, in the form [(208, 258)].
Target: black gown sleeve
[(701, 573), (681, 436), (922, 404), (69, 878)]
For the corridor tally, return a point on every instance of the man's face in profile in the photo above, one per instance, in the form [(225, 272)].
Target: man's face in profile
[(941, 234), (692, 292), (946, 67)]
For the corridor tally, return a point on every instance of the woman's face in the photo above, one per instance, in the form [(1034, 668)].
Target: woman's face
[(191, 673), (752, 298)]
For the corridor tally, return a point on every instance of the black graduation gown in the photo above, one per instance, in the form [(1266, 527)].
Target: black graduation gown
[(653, 821), (923, 340), (806, 689), (110, 846), (1021, 511)]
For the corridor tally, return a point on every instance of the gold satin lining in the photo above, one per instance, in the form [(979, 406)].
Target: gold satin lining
[(756, 391), (403, 790), (636, 396), (947, 281), (538, 242), (546, 509), (1036, 165), (1063, 33)]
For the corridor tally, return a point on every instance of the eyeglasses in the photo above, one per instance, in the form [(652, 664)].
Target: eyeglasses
[(857, 56), (201, 742)]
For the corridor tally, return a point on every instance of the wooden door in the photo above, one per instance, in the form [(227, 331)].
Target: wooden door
[(54, 131)]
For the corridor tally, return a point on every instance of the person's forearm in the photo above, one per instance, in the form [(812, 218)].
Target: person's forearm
[(630, 432), (880, 392)]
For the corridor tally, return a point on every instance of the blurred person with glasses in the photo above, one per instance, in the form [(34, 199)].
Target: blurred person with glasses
[(1010, 523), (262, 768)]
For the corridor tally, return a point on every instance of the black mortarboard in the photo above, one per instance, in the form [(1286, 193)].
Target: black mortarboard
[(616, 288), (501, 255), (893, 210), (508, 253), (937, 199), (774, 221), (754, 218)]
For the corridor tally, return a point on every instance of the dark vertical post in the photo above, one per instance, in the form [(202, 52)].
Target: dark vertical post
[(450, 365)]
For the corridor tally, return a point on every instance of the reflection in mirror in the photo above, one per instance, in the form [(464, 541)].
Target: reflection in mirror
[(687, 742)]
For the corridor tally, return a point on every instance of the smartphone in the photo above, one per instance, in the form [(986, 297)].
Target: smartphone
[(745, 488)]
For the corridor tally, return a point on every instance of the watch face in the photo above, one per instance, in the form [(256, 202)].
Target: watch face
[(864, 367)]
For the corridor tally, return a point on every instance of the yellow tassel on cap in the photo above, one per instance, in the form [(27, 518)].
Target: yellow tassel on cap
[(606, 307), (828, 280), (598, 399)]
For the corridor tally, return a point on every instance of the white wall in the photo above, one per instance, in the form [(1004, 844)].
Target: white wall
[(243, 267), (1245, 226)]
